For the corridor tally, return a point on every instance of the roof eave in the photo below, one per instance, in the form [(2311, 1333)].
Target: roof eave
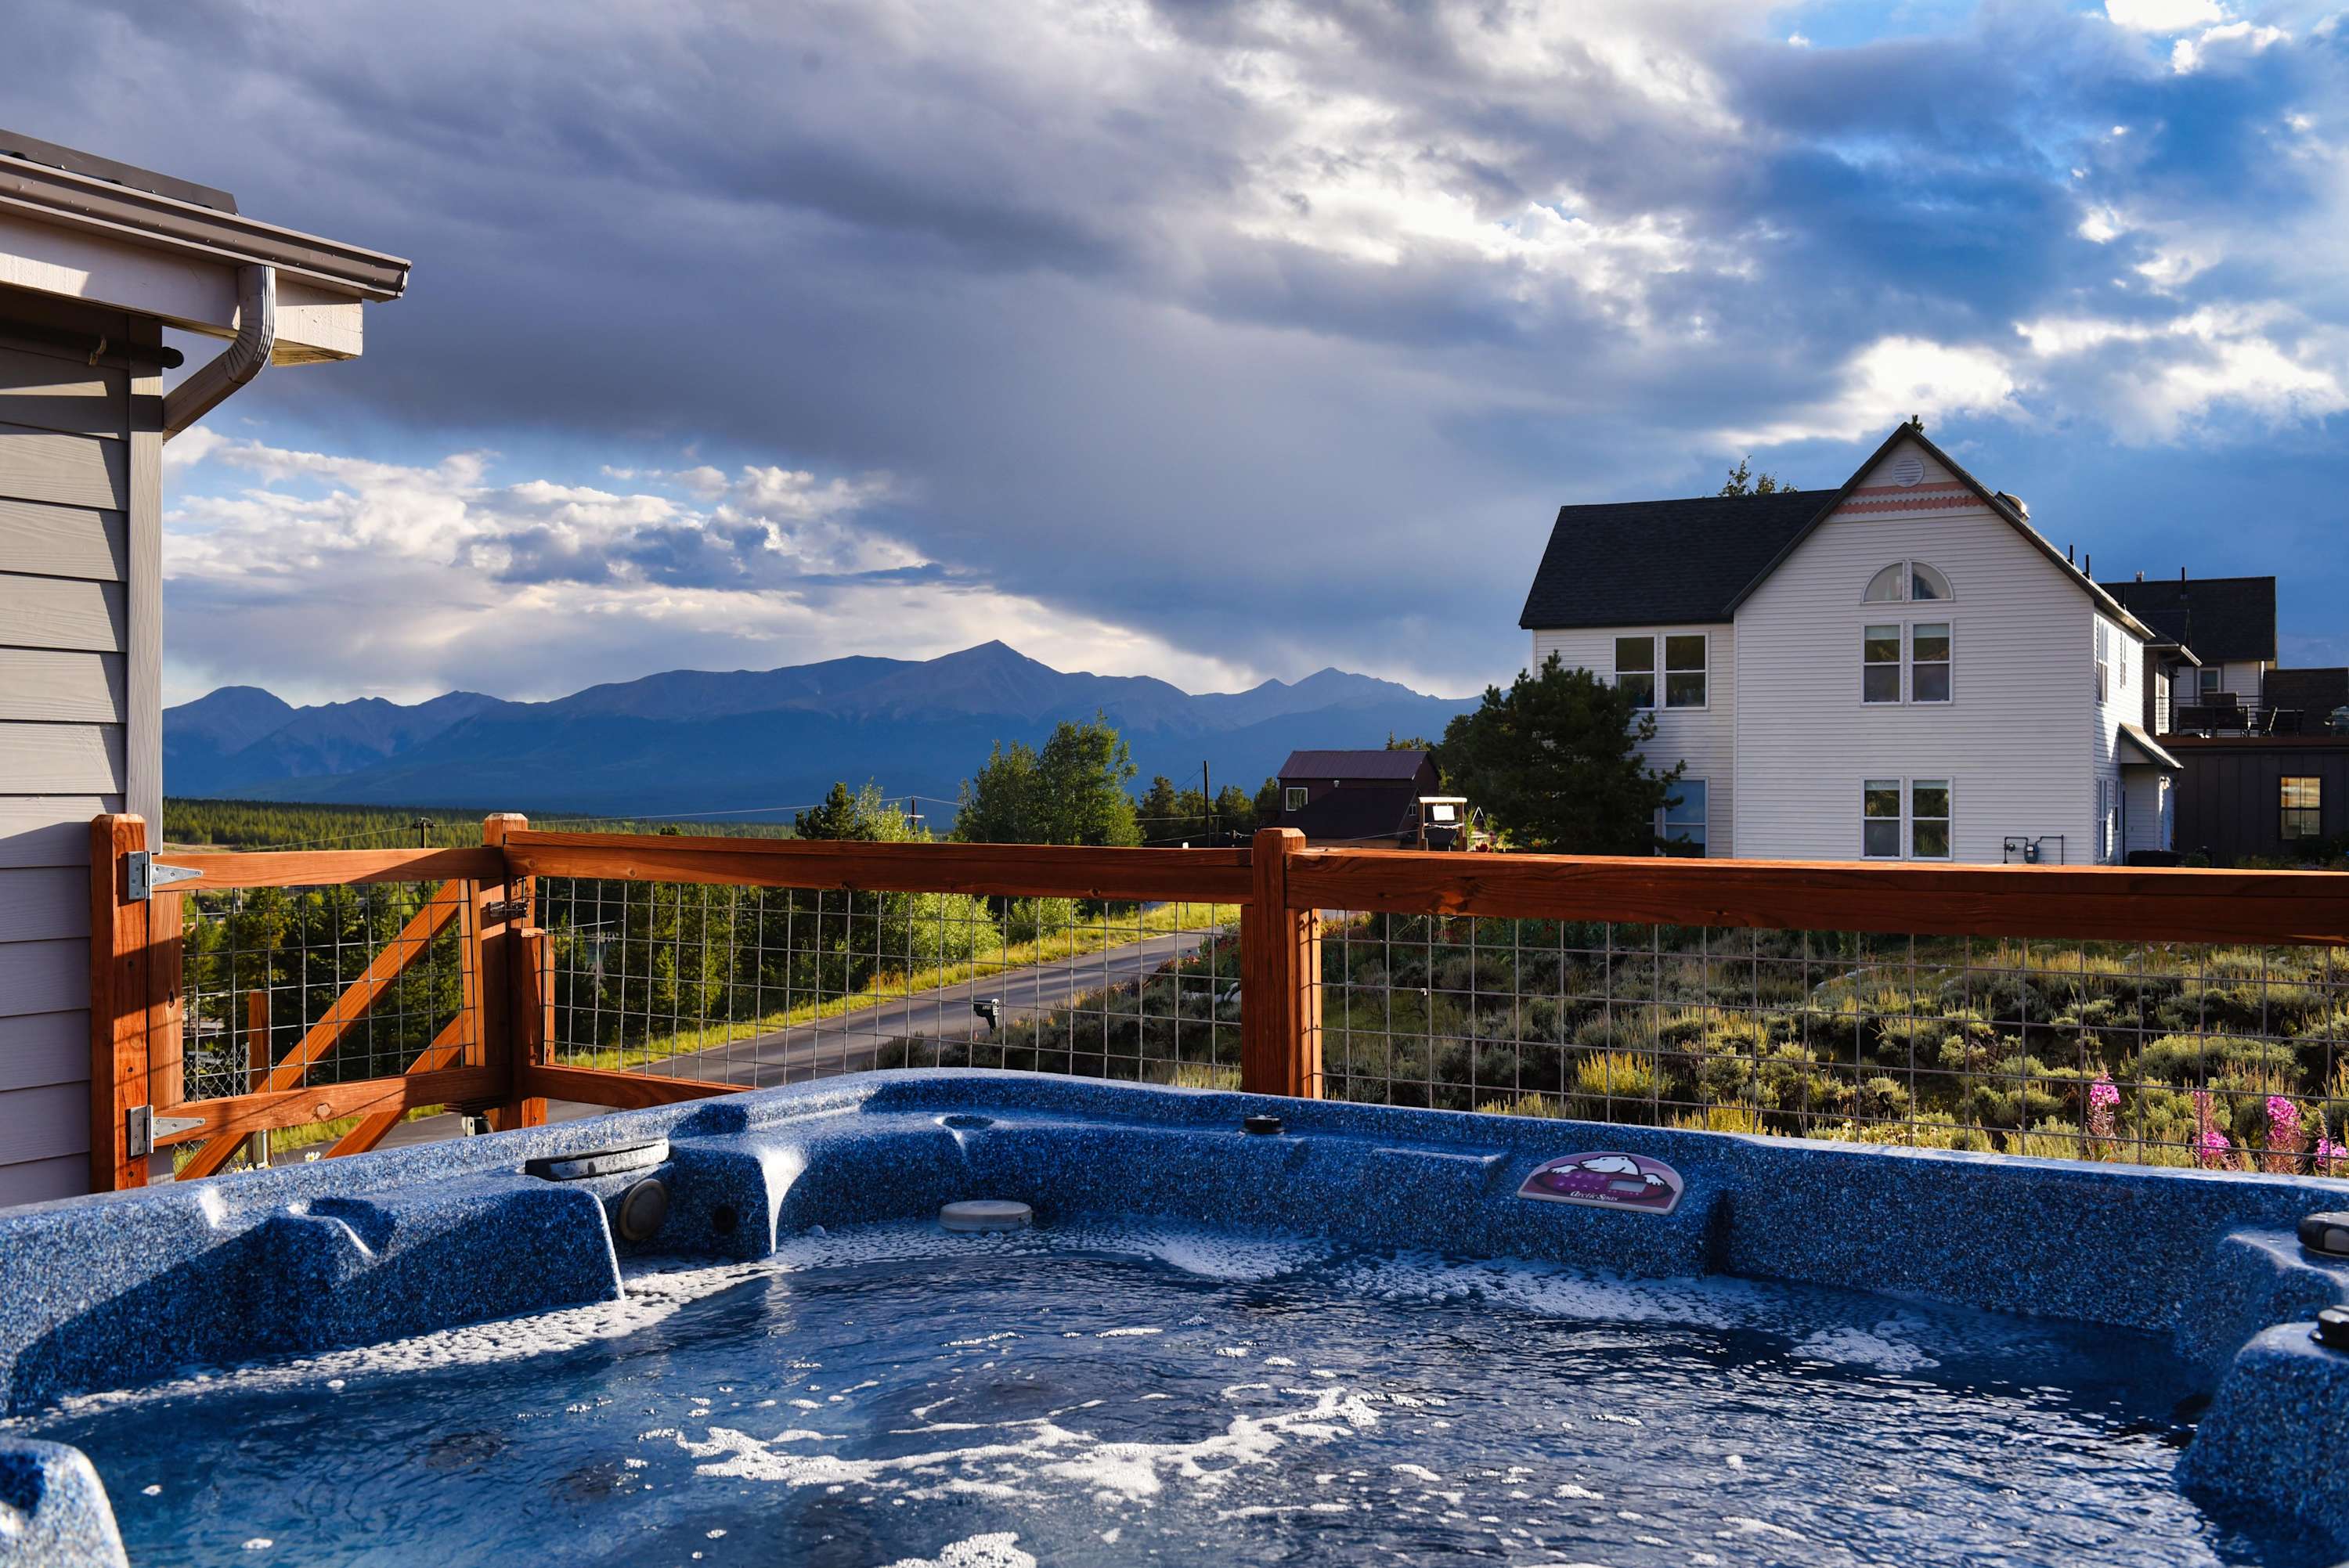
[(156, 221)]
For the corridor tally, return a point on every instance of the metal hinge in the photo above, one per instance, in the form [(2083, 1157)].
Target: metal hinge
[(145, 874), (506, 909), (142, 1127)]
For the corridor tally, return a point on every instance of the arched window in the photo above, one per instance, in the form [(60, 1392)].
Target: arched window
[(1907, 580)]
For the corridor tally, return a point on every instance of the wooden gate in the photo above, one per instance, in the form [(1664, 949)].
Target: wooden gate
[(216, 1015)]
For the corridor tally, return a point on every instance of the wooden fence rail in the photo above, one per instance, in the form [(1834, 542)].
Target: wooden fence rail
[(495, 1060)]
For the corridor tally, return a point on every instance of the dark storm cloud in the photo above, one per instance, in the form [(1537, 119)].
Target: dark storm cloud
[(1276, 334)]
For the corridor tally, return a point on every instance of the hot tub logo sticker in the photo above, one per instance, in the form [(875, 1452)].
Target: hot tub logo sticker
[(1606, 1180)]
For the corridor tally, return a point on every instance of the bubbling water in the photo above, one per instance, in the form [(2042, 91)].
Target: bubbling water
[(1101, 1393)]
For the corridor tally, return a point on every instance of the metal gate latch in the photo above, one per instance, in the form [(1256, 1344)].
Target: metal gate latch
[(142, 1127), (145, 874)]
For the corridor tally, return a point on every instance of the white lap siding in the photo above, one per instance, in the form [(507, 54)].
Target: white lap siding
[(2017, 740), (1704, 738)]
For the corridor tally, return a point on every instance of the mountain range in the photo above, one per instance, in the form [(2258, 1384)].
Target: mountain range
[(693, 741)]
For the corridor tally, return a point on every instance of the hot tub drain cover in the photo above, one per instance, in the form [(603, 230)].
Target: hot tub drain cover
[(985, 1214)]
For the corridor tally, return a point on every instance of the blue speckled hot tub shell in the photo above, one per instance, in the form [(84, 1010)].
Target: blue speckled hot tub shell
[(115, 1291)]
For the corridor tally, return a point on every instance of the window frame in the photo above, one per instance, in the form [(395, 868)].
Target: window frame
[(1664, 641), (1906, 583), (1904, 663), (1948, 819), (1898, 788), (1903, 820), (1703, 842), (1292, 797), (2286, 809), (1947, 663), (1900, 645), (1616, 671)]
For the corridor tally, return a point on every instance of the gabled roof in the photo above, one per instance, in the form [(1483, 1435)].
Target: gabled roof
[(1632, 564), (1380, 767), (1660, 562), (2221, 618)]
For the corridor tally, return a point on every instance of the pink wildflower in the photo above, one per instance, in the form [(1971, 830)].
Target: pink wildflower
[(2283, 1123), (2102, 1099), (2327, 1154), (2210, 1145)]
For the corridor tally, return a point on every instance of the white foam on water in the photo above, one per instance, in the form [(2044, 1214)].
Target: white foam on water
[(1134, 1472), (1883, 1348), (999, 1549)]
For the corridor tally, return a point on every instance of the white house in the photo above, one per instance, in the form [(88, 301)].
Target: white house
[(1900, 669)]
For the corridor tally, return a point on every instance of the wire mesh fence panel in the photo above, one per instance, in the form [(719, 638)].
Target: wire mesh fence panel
[(2163, 1053), (754, 986), (322, 985)]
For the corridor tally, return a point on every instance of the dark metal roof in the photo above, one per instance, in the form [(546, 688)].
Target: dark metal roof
[(32, 149), (2221, 618), (1644, 562), (1384, 767)]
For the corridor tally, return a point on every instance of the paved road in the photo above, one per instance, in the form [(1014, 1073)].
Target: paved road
[(846, 1044)]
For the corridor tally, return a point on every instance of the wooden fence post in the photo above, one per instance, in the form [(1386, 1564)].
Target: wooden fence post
[(118, 1004), (1280, 977), (258, 1063), (508, 984)]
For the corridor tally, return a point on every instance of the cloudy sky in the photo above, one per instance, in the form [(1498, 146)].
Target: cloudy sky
[(1210, 340)]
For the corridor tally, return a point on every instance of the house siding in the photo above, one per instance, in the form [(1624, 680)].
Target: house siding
[(1705, 740), (2010, 741), (79, 548)]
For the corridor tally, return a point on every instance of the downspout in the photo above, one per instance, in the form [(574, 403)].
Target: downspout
[(239, 363)]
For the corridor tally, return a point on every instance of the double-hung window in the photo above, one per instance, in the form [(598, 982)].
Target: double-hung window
[(1684, 671), (2103, 656), (1635, 669), (1927, 644), (1905, 818), (1879, 671), (1879, 810), (1683, 824), (1294, 798), (1929, 819), (1928, 661), (2303, 800), (1685, 674)]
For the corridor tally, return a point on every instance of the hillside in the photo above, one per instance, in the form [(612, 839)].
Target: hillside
[(690, 741)]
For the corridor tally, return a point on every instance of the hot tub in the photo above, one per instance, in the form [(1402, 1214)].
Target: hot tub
[(1366, 1333)]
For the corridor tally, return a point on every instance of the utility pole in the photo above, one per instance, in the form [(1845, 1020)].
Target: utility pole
[(1207, 798), (423, 826)]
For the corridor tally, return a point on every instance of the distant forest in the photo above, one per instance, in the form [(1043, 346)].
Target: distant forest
[(291, 825)]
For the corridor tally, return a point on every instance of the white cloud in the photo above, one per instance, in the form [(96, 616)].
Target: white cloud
[(1892, 378), (2235, 38), (2161, 380), (2164, 15), (327, 577)]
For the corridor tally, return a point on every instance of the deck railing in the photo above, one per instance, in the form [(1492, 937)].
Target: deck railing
[(2188, 1015)]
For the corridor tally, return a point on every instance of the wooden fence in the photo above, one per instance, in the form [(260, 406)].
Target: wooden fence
[(494, 1057)]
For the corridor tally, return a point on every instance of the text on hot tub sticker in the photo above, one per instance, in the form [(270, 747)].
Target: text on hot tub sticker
[(1606, 1180)]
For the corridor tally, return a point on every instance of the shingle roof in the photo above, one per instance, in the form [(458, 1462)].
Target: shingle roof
[(2221, 618), (1645, 563), (1400, 765), (2316, 691)]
